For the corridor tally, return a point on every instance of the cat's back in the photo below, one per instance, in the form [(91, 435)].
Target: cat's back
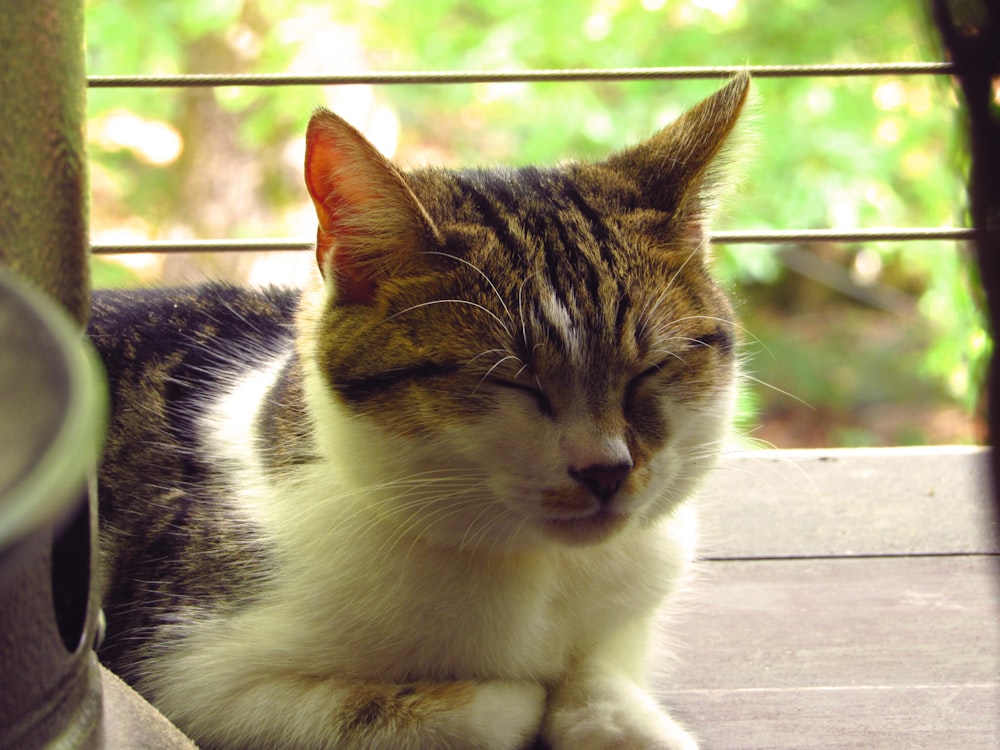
[(189, 327), (168, 538), (168, 353)]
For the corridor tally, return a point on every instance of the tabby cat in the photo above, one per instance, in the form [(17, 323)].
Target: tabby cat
[(433, 500)]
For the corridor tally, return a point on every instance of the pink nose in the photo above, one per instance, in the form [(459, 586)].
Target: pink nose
[(601, 479)]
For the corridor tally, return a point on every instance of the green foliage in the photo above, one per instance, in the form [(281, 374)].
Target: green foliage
[(821, 152), (961, 345), (106, 275)]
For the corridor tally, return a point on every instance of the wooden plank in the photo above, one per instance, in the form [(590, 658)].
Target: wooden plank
[(851, 652), (809, 623), (849, 502), (943, 717)]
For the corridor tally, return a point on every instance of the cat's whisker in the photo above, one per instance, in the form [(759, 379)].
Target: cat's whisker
[(456, 507), (401, 517), (514, 537), (462, 545), (442, 511), (475, 305), (482, 273), (692, 340), (363, 503), (415, 496), (727, 322), (696, 252), (768, 455), (520, 309), (430, 478), (747, 440), (494, 519), (493, 369), (503, 351), (776, 389), (664, 352), (649, 312)]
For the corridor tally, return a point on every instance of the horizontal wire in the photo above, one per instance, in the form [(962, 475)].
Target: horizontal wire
[(597, 74), (801, 236), (202, 246), (764, 237), (510, 76)]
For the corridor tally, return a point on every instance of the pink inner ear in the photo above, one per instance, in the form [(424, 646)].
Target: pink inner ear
[(370, 223), (335, 177)]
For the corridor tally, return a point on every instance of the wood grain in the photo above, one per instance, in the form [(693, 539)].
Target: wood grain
[(850, 600), (849, 502)]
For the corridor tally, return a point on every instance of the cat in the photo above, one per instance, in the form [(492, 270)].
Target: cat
[(434, 499)]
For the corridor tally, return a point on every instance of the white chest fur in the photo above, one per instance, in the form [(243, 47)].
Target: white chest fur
[(354, 593), (420, 612)]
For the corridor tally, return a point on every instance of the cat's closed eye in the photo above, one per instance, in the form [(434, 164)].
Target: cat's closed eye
[(651, 372), (687, 351), (720, 341), (645, 379), (669, 371), (533, 390)]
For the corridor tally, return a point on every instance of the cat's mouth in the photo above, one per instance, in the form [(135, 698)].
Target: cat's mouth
[(589, 529)]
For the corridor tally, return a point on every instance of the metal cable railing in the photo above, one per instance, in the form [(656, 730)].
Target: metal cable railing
[(770, 237), (519, 76), (765, 237)]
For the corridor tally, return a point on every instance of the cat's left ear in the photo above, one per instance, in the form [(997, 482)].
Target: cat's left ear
[(678, 170), (371, 224)]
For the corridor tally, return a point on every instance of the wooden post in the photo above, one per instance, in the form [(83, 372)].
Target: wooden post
[(970, 30), (43, 176)]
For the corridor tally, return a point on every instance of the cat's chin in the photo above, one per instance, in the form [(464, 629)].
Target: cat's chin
[(583, 530)]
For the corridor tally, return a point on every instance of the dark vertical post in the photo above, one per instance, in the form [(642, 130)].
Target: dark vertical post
[(970, 30), (43, 183), (51, 397)]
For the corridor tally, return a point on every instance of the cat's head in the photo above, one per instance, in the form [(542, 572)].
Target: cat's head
[(528, 353)]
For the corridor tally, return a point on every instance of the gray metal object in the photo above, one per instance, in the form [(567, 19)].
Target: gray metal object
[(52, 407), (52, 410)]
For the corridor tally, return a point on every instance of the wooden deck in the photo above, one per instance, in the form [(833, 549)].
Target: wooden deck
[(848, 599)]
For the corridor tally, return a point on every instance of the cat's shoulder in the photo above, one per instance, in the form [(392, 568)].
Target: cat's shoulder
[(223, 305), (197, 334)]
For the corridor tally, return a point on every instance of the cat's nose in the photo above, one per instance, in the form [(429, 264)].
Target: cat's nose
[(602, 479)]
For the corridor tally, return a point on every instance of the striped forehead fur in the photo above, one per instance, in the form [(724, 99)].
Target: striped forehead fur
[(541, 239), (573, 265)]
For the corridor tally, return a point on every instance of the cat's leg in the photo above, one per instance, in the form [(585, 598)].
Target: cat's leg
[(304, 712), (603, 705)]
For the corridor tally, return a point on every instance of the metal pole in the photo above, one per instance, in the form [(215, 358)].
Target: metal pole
[(43, 176), (51, 407)]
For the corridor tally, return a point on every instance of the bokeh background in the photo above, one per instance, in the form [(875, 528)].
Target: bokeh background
[(845, 344)]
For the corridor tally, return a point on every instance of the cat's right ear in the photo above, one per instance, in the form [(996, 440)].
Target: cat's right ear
[(370, 222)]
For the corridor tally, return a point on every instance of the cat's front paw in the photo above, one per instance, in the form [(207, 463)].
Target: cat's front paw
[(632, 723), (508, 713)]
